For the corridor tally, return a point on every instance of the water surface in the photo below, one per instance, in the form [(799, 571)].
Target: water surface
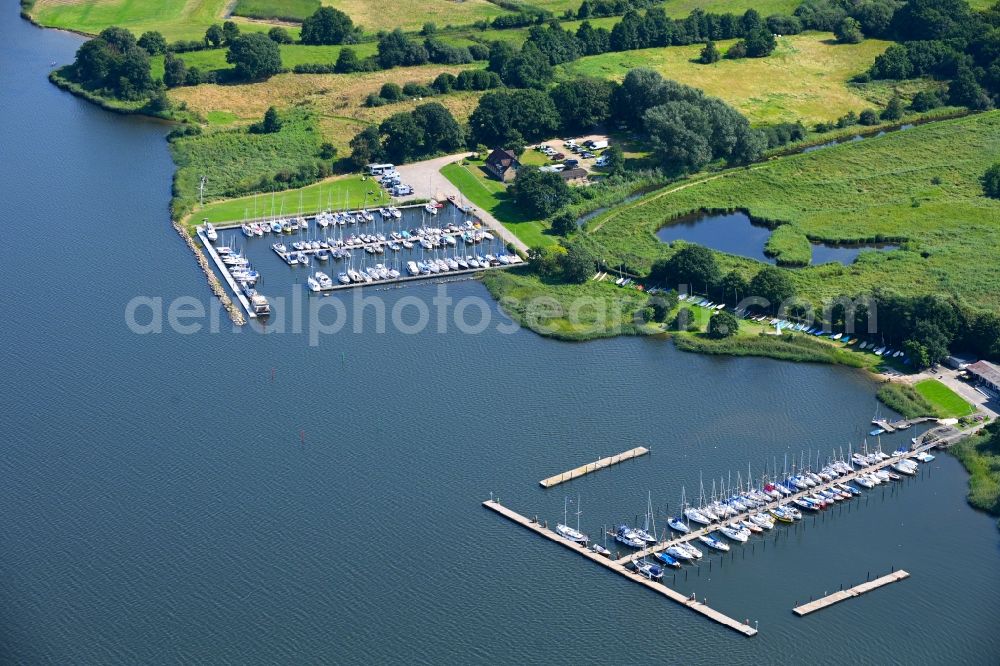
[(736, 233), (248, 498)]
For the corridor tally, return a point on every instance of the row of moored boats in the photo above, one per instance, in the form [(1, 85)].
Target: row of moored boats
[(753, 511)]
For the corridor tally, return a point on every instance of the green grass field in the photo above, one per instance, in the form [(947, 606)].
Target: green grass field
[(176, 19), (920, 184), (234, 161), (805, 79), (413, 14), (491, 195), (214, 60), (681, 8), (947, 403), (285, 10), (333, 193)]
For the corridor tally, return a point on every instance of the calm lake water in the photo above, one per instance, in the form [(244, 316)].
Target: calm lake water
[(247, 498), (735, 233)]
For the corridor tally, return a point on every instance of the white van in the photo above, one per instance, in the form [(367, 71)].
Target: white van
[(379, 169)]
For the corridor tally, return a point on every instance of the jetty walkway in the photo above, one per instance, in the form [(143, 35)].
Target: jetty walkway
[(620, 569)]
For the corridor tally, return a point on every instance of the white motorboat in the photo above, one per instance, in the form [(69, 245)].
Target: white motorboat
[(210, 232)]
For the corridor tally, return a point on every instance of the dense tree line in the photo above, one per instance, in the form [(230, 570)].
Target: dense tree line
[(428, 129), (945, 39), (694, 267), (549, 45), (686, 128), (927, 328), (114, 64)]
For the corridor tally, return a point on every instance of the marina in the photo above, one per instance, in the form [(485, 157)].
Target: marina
[(725, 523), (855, 591), (387, 245), (593, 467)]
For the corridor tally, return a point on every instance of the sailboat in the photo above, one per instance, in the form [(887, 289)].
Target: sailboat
[(648, 569), (644, 533), (676, 523), (599, 549), (567, 532)]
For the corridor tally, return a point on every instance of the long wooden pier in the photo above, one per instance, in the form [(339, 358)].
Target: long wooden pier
[(855, 591), (237, 292), (594, 466), (619, 568), (694, 534)]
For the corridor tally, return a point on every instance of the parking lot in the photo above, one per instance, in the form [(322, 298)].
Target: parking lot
[(573, 152)]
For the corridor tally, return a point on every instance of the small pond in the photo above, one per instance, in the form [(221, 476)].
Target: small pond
[(735, 233)]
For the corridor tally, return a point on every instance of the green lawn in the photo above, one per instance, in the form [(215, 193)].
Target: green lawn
[(491, 195), (921, 185), (334, 193), (948, 403), (286, 10), (176, 19), (291, 55)]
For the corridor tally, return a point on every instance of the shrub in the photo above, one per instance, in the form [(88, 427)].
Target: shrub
[(894, 109), (391, 92), (279, 35), (709, 54), (153, 42), (925, 101), (848, 31), (868, 117), (991, 181), (723, 325)]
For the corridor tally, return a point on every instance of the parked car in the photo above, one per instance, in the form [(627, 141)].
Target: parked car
[(601, 161), (587, 155), (559, 157), (571, 163)]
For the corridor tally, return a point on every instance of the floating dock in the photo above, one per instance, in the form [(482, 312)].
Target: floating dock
[(593, 467), (885, 425), (619, 568), (856, 591)]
